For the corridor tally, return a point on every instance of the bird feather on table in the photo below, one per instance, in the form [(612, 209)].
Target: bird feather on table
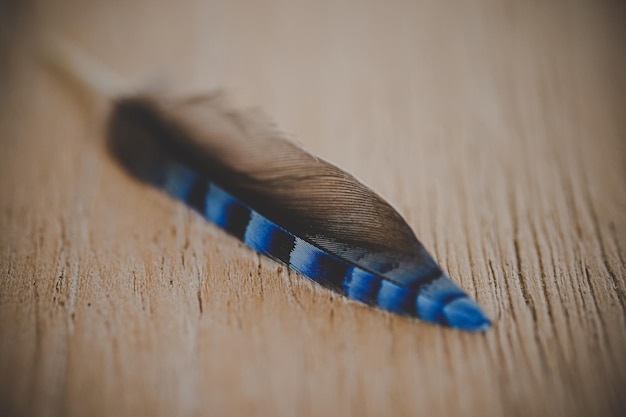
[(236, 169)]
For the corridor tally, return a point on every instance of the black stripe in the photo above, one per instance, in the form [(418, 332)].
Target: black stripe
[(197, 195), (330, 271), (280, 245), (408, 302), (451, 297), (441, 316), (426, 279), (237, 219), (376, 286)]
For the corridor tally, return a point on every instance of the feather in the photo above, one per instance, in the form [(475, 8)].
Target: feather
[(237, 170)]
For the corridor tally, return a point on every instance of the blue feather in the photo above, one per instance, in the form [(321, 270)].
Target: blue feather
[(379, 263)]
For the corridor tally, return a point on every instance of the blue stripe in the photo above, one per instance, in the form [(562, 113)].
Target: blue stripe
[(216, 205), (396, 299), (179, 181), (361, 285), (433, 297), (268, 238), (462, 313), (226, 211), (259, 233)]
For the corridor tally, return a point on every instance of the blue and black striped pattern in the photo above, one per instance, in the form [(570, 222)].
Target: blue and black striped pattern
[(435, 298)]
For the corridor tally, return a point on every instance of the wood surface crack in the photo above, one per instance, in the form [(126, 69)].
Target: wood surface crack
[(522, 283), (199, 296), (518, 260), (600, 330), (470, 258), (598, 233), (509, 293), (543, 273), (492, 274), (260, 276), (560, 293), (200, 283), (616, 243), (292, 294)]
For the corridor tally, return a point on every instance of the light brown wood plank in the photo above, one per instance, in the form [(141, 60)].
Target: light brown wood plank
[(496, 128)]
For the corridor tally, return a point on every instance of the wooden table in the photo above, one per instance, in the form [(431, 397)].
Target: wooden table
[(496, 128)]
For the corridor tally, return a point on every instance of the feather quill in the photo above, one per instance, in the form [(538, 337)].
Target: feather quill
[(236, 169)]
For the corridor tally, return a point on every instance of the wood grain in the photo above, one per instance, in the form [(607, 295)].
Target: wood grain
[(497, 129)]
